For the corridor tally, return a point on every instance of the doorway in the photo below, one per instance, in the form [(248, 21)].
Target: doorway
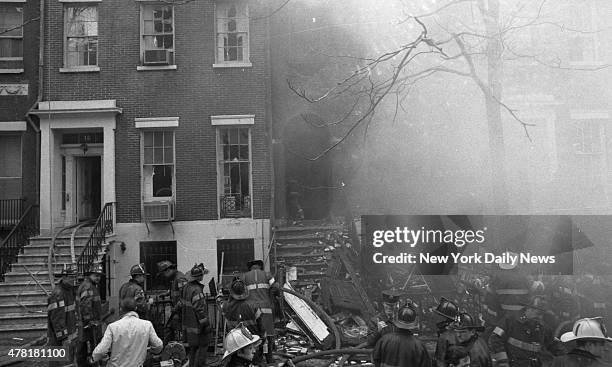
[(88, 187)]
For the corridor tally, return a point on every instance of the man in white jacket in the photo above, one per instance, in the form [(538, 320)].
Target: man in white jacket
[(127, 339)]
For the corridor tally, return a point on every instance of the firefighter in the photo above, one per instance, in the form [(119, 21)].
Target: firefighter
[(259, 283), (391, 305), (61, 313), (401, 347), (491, 310), (240, 347), (565, 299), (466, 330), (167, 270), (590, 337), (524, 341), (238, 310), (134, 289), (195, 322), (511, 287), (446, 335), (89, 307)]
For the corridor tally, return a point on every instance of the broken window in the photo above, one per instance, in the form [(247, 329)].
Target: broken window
[(157, 41), (158, 167), (232, 32), (81, 32), (235, 170)]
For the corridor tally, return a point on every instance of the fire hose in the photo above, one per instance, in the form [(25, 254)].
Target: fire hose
[(331, 352)]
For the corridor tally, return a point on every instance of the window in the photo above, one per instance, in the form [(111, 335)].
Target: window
[(152, 252), (11, 31), (232, 33), (158, 165), (81, 32), (236, 253), (10, 167), (157, 34), (583, 35), (589, 161), (235, 172)]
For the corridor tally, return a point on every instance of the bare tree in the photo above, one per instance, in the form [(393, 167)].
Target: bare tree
[(474, 39)]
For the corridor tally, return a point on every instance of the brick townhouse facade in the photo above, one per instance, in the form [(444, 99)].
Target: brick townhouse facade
[(19, 65), (162, 108)]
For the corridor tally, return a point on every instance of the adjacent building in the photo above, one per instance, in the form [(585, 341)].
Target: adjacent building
[(161, 108)]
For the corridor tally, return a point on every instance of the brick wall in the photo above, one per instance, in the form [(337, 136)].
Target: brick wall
[(14, 108), (194, 92)]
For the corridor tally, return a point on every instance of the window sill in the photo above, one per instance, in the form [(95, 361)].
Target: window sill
[(162, 67), (80, 69), (10, 58), (233, 65), (11, 71)]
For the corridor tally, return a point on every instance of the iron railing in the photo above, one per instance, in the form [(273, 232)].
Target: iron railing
[(104, 225), (235, 206), (26, 227), (10, 212)]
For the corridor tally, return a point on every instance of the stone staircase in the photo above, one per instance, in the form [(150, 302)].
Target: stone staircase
[(23, 294), (307, 249)]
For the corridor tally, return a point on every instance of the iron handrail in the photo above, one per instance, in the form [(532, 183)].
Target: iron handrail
[(10, 247), (104, 225), (11, 211)]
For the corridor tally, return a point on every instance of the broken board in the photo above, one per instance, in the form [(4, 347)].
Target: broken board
[(307, 315), (340, 294)]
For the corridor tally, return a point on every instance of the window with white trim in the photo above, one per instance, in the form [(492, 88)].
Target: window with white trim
[(11, 31), (234, 155), (157, 34), (158, 165), (81, 35), (232, 22)]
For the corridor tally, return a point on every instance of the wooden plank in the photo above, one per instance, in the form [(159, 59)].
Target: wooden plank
[(309, 318), (369, 310)]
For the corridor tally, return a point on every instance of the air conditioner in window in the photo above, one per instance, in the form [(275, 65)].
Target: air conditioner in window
[(157, 57), (158, 211)]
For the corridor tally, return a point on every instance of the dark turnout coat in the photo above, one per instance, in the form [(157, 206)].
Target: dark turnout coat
[(400, 348)]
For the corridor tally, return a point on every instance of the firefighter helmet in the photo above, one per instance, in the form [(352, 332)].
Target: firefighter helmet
[(96, 269), (588, 328), (237, 339), (164, 265), (138, 269), (465, 321), (407, 318), (255, 262), (239, 290), (509, 263), (447, 309)]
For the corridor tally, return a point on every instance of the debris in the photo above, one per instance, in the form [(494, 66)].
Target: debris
[(309, 318)]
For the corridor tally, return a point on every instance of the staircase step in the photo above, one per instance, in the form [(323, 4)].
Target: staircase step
[(43, 249), (27, 286), (24, 276), (21, 334), (287, 245), (23, 319), (39, 306), (31, 259), (37, 267), (29, 296)]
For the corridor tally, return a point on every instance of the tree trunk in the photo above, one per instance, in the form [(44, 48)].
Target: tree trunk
[(493, 99)]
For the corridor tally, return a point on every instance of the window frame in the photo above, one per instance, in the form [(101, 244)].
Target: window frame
[(17, 4), (20, 177), (246, 61), (172, 63), (67, 67), (153, 199), (587, 14), (220, 166)]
